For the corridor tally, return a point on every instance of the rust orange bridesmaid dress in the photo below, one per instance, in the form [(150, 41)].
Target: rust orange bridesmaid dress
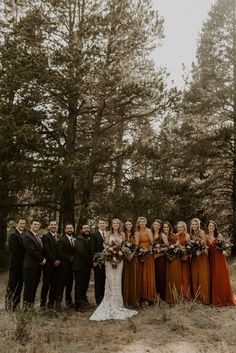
[(185, 269), (221, 291), (147, 270), (200, 274), (173, 277), (131, 281)]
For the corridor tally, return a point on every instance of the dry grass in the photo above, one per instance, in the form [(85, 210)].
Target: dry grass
[(184, 328)]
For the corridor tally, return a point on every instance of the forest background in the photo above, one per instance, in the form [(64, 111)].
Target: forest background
[(89, 126)]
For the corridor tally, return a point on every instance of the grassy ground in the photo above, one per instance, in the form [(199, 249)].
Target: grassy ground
[(184, 328)]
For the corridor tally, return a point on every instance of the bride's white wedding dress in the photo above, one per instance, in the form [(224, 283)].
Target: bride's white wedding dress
[(111, 306)]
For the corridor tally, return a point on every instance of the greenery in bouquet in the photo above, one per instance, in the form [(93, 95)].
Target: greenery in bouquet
[(128, 249), (224, 246), (175, 250), (158, 249), (196, 247)]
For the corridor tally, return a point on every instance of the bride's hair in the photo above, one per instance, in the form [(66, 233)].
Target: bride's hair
[(120, 225)]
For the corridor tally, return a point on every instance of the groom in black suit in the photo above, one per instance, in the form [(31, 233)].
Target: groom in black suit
[(15, 280), (97, 240), (34, 261)]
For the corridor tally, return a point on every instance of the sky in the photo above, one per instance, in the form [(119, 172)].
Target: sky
[(183, 22)]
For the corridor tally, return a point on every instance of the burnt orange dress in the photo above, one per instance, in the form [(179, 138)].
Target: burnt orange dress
[(200, 277), (131, 281), (221, 291), (160, 272), (173, 278), (147, 271), (185, 270)]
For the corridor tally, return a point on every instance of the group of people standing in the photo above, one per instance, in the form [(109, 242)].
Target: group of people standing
[(202, 276), (61, 259), (118, 291)]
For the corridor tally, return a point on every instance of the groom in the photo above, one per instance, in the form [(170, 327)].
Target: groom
[(97, 240)]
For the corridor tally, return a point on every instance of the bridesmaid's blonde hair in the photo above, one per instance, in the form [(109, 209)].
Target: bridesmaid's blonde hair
[(182, 224), (197, 220), (138, 220)]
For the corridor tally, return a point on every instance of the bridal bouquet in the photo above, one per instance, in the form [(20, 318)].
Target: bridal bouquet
[(112, 253), (175, 250), (224, 246), (196, 247)]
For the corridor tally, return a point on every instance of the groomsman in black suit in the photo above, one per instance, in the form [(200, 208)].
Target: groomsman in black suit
[(51, 268), (82, 267), (15, 280), (66, 251), (97, 240), (34, 260)]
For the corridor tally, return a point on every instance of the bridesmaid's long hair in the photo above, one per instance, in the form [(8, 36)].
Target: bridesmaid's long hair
[(182, 223), (197, 220), (137, 223), (170, 234), (132, 231), (158, 221), (215, 230)]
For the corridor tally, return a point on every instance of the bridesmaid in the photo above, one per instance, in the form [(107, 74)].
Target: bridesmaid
[(173, 269), (144, 239), (160, 259), (200, 272), (221, 291), (183, 237), (131, 271)]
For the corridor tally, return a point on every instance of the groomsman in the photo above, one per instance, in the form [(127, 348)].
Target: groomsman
[(34, 260), (15, 280), (97, 240), (66, 251), (51, 269), (82, 267)]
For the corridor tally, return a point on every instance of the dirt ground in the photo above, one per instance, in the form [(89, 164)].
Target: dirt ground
[(184, 328)]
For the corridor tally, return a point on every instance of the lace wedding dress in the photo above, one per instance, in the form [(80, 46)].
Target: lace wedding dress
[(111, 306)]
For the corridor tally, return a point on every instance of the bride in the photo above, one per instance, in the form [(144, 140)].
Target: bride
[(111, 306)]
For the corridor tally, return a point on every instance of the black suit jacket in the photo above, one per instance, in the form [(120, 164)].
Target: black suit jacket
[(34, 254), (82, 258), (65, 251), (50, 245), (16, 249), (96, 243)]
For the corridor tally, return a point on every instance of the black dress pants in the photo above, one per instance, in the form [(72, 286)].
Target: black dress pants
[(14, 289), (49, 286), (65, 280), (99, 285), (31, 281), (82, 278)]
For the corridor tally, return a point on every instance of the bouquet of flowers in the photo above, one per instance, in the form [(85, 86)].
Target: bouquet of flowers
[(196, 247), (224, 246), (175, 250), (157, 249), (127, 249), (142, 253), (112, 253)]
